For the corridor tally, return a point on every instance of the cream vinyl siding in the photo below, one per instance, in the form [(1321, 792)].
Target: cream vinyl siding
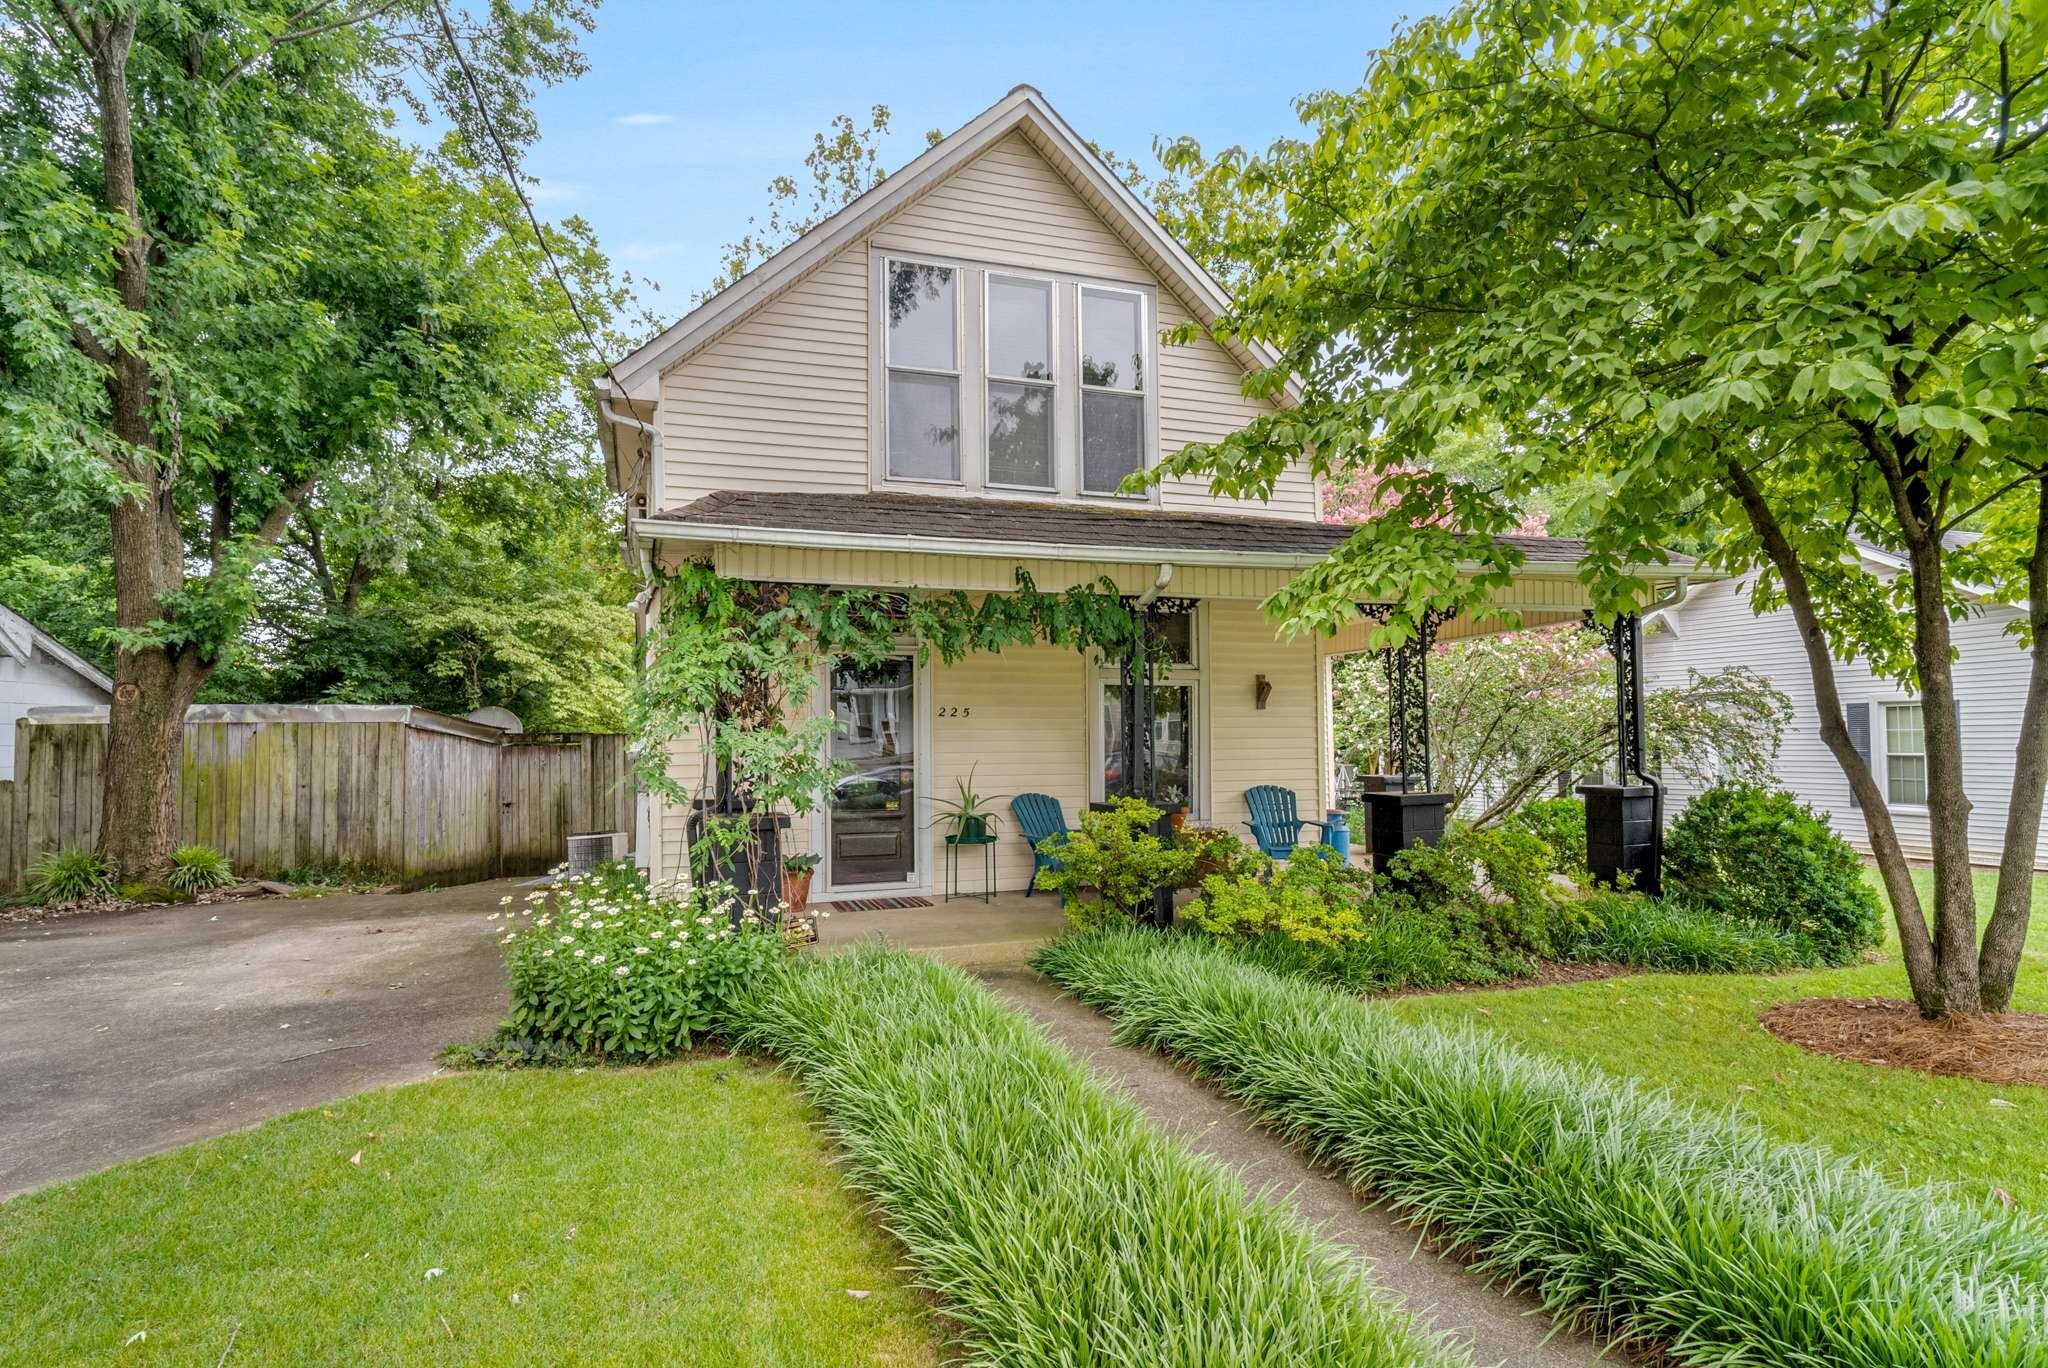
[(781, 400), (1716, 628), (978, 574), (1026, 731), (1280, 744)]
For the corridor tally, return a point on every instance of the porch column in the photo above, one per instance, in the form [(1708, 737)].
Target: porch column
[(1401, 807), (1137, 672), (1624, 820)]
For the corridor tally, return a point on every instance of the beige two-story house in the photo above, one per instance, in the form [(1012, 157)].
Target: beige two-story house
[(949, 380)]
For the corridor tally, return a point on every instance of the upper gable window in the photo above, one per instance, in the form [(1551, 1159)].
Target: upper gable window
[(924, 371), (1021, 381), (1022, 396), (1113, 346)]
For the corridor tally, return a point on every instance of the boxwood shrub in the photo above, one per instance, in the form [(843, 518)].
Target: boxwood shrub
[(1056, 1225), (1662, 1224), (1762, 856)]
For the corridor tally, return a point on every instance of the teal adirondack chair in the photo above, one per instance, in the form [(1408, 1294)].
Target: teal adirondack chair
[(1038, 818), (1276, 823)]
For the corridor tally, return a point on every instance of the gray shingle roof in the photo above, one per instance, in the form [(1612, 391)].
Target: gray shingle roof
[(951, 518)]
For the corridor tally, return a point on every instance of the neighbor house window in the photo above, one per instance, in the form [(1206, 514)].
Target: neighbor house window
[(1905, 754), (1113, 349), (1021, 393), (923, 419)]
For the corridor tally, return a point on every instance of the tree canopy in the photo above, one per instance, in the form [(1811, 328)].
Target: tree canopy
[(1770, 275)]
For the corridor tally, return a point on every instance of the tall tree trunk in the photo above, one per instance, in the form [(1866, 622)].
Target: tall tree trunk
[(1915, 946), (1948, 805), (152, 688), (1998, 961)]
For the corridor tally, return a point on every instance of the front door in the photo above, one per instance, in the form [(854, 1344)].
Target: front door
[(871, 820)]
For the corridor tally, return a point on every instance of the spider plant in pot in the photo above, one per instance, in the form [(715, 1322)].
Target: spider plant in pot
[(796, 881), (966, 814)]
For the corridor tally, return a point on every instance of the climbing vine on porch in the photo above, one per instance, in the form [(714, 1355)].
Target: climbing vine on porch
[(733, 664)]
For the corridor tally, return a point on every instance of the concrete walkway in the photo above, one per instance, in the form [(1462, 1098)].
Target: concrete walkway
[(1498, 1329), (126, 1033)]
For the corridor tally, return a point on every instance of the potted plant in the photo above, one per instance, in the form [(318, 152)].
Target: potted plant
[(1176, 806), (967, 813), (796, 881)]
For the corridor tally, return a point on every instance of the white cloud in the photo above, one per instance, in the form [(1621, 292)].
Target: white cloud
[(643, 120), (554, 192)]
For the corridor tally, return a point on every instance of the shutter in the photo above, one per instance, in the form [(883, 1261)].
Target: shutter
[(1857, 716)]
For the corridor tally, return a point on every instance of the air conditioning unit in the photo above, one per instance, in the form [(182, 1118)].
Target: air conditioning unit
[(591, 849)]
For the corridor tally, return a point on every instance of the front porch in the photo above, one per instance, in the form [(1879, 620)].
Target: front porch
[(965, 931)]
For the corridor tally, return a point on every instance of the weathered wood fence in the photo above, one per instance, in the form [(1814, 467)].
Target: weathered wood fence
[(401, 792)]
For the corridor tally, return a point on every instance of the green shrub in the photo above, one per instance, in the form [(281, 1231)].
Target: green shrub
[(1397, 950), (71, 875), (1662, 1224), (1559, 823), (1763, 857), (1490, 890), (604, 966), (1055, 1225), (198, 869), (1109, 870), (1311, 897), (1662, 933)]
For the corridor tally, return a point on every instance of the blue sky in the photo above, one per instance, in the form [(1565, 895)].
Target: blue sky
[(667, 144)]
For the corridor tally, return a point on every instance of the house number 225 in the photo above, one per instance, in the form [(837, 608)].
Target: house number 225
[(956, 712)]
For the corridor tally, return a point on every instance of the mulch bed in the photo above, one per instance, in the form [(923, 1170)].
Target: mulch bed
[(2009, 1048)]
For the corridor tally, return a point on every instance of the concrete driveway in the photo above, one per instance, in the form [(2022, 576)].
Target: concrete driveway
[(128, 1033)]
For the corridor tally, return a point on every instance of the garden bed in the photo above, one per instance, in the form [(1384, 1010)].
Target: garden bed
[(2008, 1048)]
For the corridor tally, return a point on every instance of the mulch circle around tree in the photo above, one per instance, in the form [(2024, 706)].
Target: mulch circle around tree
[(2011, 1047)]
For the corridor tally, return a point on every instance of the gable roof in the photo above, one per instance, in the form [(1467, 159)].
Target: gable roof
[(1023, 110), (21, 639)]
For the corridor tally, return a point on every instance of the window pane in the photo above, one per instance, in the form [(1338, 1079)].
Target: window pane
[(924, 426), (1112, 344), (1907, 778), (921, 313), (1020, 328), (1175, 633), (1173, 742), (1904, 731), (1020, 435), (1112, 439)]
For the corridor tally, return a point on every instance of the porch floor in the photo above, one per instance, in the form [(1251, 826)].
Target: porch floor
[(965, 931)]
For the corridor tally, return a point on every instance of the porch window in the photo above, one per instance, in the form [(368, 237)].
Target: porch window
[(1173, 741), (1905, 754), (1113, 348), (1021, 393), (923, 417)]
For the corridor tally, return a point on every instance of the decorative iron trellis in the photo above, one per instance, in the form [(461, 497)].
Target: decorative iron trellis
[(1624, 641), (1407, 674), (1137, 674)]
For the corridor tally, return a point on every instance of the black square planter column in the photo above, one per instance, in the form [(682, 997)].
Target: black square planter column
[(1400, 809), (1625, 821)]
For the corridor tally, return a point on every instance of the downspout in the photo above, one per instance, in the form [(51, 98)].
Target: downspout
[(639, 558), (1165, 577)]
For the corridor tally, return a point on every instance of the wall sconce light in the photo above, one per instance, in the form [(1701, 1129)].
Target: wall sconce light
[(1262, 690)]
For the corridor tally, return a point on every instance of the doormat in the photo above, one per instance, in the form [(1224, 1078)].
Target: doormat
[(876, 904)]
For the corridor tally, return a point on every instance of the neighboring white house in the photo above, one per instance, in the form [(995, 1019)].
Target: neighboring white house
[(36, 671), (944, 384), (1714, 627)]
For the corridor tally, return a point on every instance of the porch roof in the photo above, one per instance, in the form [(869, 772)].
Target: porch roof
[(949, 524)]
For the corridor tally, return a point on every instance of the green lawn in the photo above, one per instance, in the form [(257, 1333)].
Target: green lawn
[(688, 1214), (1698, 1035)]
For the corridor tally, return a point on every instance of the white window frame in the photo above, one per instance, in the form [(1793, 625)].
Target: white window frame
[(989, 277), (1193, 676), (958, 375), (1147, 405), (1881, 746), (972, 355)]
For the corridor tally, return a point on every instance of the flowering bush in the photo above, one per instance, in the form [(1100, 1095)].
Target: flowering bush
[(607, 966)]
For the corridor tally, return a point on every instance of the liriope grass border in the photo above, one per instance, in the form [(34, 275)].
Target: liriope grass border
[(1055, 1225), (1617, 1204)]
